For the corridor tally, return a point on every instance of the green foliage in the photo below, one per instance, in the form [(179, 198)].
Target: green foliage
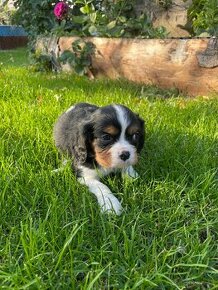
[(204, 16), (114, 19), (86, 18), (41, 62), (108, 18), (36, 16), (6, 14), (80, 56)]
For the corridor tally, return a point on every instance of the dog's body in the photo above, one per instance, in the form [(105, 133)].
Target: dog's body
[(100, 140)]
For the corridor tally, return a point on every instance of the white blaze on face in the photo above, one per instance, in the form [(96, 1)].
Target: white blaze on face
[(122, 145)]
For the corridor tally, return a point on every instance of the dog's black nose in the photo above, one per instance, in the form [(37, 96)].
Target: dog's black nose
[(124, 155)]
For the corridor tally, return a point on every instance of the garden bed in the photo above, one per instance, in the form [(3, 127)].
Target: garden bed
[(191, 65)]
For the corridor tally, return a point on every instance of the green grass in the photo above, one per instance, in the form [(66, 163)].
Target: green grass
[(52, 235), (13, 58)]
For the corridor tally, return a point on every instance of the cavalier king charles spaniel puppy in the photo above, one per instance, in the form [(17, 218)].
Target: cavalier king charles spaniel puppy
[(100, 141)]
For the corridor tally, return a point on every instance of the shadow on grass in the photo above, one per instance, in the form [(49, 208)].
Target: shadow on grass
[(176, 154)]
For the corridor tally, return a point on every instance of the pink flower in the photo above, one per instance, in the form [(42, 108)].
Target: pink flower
[(60, 10)]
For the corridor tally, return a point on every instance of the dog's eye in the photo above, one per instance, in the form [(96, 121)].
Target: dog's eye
[(106, 137), (135, 137)]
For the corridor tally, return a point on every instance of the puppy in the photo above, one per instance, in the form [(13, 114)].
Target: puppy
[(100, 140)]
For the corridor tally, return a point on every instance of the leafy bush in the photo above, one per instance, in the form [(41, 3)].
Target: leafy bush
[(86, 18), (6, 14), (80, 56), (36, 16), (203, 15), (40, 62), (108, 18)]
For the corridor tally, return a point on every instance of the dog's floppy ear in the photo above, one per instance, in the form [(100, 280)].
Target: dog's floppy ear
[(81, 142), (142, 134), (73, 137)]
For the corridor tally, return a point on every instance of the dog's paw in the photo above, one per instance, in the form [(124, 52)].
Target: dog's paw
[(110, 204), (130, 172)]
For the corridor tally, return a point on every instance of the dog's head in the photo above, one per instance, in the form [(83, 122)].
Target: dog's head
[(114, 136)]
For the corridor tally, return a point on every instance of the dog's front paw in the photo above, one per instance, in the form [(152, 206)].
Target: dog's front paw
[(130, 172), (109, 203)]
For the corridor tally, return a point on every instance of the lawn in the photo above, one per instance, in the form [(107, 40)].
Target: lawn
[(52, 234)]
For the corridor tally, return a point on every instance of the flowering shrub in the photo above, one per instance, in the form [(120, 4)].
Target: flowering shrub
[(60, 10), (87, 18), (105, 18)]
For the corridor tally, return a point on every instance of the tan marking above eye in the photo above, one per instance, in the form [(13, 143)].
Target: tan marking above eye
[(133, 130), (112, 130)]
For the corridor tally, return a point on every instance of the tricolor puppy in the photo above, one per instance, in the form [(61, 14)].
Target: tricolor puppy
[(100, 140)]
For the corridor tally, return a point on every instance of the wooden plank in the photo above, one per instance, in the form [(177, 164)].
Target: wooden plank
[(11, 42), (168, 63)]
